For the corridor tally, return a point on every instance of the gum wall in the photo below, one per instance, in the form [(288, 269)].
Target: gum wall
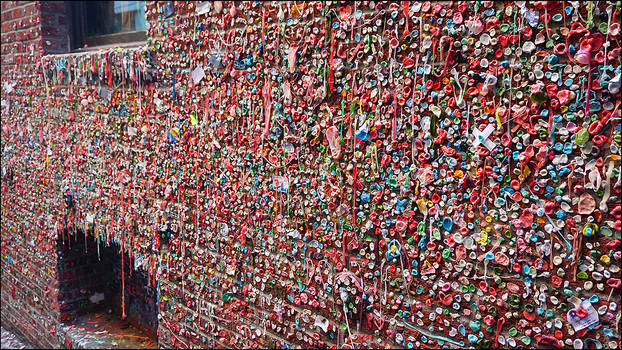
[(323, 174)]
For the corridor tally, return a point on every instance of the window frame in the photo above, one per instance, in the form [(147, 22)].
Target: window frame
[(79, 39)]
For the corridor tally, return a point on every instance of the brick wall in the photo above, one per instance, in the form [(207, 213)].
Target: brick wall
[(21, 37), (29, 278), (45, 282), (55, 26), (188, 178)]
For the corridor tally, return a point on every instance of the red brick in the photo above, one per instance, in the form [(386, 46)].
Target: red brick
[(30, 10), (7, 59), (53, 6), (49, 31), (18, 13), (15, 13), (19, 47), (49, 44), (48, 19), (7, 15)]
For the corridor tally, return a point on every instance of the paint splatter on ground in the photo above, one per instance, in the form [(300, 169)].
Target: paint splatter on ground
[(10, 340), (103, 331)]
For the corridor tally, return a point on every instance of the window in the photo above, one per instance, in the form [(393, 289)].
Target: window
[(101, 23)]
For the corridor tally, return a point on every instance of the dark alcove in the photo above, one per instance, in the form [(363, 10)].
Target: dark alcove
[(90, 295)]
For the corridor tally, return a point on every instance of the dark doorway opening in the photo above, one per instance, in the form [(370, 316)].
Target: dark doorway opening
[(93, 295)]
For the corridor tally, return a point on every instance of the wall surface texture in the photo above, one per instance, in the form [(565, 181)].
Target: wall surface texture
[(29, 207), (324, 174)]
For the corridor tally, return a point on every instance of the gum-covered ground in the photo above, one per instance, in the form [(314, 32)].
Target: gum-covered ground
[(103, 331), (92, 331), (10, 340)]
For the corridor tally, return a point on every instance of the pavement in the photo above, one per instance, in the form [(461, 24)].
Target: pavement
[(105, 331), (93, 331), (10, 340)]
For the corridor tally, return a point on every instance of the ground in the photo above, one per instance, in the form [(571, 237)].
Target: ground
[(10, 340)]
